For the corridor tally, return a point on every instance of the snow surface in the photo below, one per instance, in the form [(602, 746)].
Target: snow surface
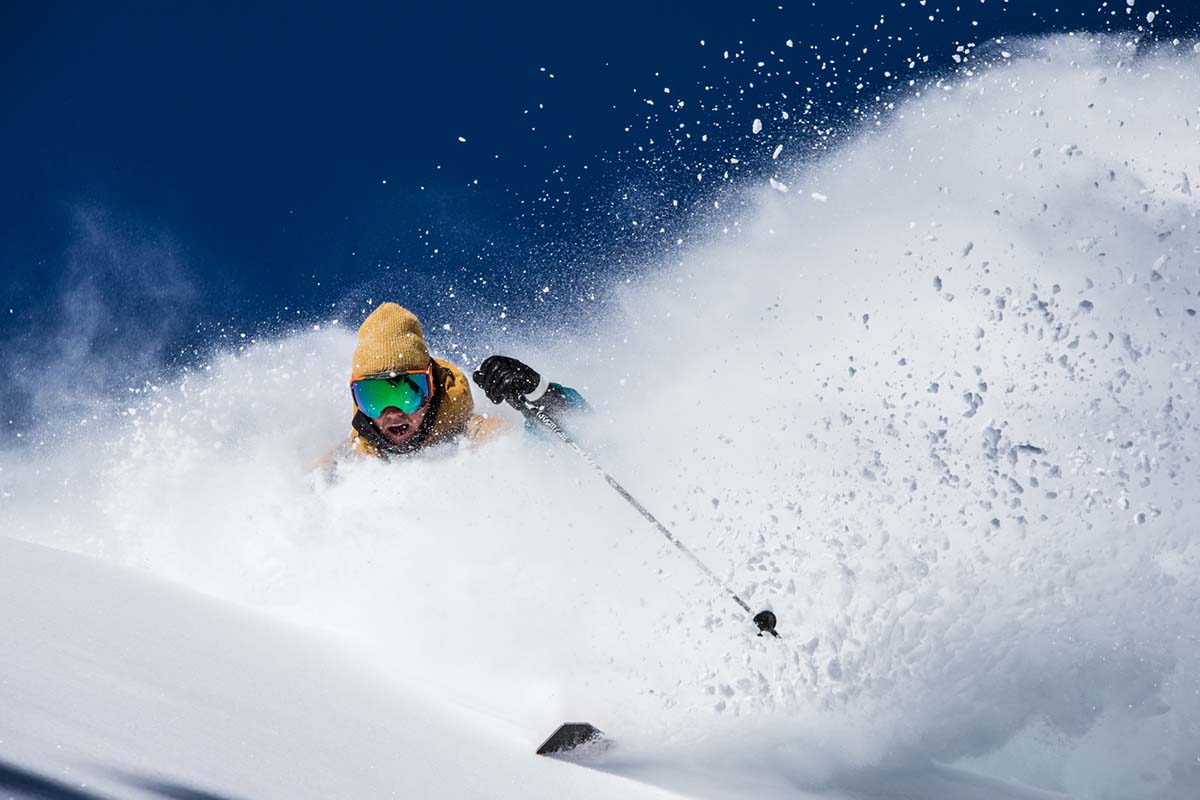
[(119, 686), (942, 424), (116, 685)]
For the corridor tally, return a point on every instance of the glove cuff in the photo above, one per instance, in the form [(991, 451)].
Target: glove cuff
[(537, 393)]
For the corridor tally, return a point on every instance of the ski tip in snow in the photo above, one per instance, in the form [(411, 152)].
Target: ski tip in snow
[(575, 738)]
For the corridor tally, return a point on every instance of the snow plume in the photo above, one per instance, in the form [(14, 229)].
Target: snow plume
[(945, 424), (121, 298), (941, 422)]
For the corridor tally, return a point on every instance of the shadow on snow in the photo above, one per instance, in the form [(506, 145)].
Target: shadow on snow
[(19, 783)]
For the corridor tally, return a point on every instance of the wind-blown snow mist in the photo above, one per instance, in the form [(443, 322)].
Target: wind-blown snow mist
[(933, 405)]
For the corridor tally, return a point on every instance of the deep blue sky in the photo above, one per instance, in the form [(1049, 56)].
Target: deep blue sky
[(186, 166)]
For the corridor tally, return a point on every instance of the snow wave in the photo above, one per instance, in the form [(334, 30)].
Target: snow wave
[(933, 405)]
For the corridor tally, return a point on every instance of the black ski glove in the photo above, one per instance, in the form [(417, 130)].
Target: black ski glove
[(504, 379)]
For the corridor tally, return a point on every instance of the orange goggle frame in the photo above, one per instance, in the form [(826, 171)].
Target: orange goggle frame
[(407, 391)]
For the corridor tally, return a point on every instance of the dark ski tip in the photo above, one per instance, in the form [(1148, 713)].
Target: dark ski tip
[(577, 738)]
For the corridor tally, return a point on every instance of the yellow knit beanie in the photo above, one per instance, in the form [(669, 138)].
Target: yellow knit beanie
[(389, 340)]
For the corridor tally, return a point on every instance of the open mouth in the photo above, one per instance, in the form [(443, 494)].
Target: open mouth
[(398, 430)]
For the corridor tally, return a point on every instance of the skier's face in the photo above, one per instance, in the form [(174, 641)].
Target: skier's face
[(397, 427)]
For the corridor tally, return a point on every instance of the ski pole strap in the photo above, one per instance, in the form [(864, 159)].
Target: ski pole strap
[(764, 620)]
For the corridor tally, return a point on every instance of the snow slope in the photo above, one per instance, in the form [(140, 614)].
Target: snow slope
[(114, 685), (935, 406)]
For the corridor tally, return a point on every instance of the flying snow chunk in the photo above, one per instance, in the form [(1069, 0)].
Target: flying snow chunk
[(1150, 16), (820, 198), (461, 139), (756, 127), (779, 187), (789, 43), (778, 150)]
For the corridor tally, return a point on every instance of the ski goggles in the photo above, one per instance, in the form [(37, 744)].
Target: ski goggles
[(407, 391)]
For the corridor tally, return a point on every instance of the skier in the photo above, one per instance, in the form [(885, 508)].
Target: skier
[(405, 400)]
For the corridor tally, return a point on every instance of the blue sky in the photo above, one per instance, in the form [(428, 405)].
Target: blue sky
[(199, 167)]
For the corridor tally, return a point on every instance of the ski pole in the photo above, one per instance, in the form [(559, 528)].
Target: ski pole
[(765, 620)]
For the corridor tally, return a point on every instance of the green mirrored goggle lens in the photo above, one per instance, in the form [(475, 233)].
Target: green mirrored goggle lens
[(405, 392)]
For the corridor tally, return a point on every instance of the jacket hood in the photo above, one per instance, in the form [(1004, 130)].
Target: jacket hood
[(391, 340)]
